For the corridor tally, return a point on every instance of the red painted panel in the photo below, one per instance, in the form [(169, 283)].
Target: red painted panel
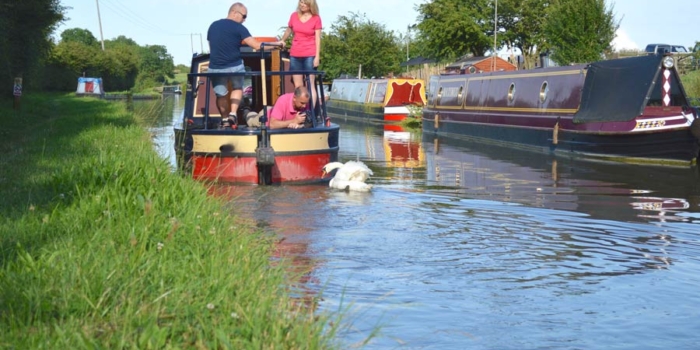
[(295, 168), (405, 93), (395, 117)]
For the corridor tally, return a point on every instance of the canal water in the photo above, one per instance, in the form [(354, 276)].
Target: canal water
[(467, 246)]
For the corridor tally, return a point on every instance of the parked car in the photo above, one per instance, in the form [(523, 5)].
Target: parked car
[(660, 49)]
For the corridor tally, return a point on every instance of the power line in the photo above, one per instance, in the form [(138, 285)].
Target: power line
[(135, 18)]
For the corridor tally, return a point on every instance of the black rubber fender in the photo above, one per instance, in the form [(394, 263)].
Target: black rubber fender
[(695, 128)]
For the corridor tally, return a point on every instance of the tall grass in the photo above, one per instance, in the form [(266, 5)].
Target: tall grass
[(691, 83), (101, 246)]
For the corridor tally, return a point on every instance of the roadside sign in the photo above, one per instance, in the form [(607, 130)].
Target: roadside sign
[(18, 87)]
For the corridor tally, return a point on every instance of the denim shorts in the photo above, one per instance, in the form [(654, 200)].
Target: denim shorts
[(221, 84), (302, 63)]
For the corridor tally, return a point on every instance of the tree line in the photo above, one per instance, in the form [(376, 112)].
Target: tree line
[(28, 51), (572, 31)]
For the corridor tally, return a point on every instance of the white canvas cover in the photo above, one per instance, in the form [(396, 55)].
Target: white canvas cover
[(90, 86)]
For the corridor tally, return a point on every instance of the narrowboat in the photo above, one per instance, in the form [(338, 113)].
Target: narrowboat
[(630, 109), (377, 100), (247, 154)]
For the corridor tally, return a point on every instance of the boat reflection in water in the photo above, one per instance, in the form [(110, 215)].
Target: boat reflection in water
[(603, 190)]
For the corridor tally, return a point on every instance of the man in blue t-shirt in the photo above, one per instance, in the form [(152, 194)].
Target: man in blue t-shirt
[(226, 36)]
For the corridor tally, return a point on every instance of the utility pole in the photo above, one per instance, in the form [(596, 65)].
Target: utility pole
[(495, 33), (201, 43), (408, 43), (99, 20)]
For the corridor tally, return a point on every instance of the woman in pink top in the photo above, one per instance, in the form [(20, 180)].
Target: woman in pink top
[(305, 24)]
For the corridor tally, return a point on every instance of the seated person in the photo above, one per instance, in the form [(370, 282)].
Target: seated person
[(289, 111)]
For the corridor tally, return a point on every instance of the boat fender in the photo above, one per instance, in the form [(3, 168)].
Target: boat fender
[(265, 156), (695, 128)]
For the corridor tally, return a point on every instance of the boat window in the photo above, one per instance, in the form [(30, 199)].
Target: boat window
[(543, 91), (459, 95), (511, 92)]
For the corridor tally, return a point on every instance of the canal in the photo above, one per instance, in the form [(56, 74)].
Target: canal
[(467, 246)]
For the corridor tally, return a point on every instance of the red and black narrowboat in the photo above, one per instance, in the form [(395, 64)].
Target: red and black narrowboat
[(378, 100), (630, 109), (252, 154)]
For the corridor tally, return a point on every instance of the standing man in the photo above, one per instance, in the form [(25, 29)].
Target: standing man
[(226, 36)]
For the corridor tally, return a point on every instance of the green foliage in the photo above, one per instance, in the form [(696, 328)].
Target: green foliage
[(117, 66), (353, 41), (155, 66), (691, 83), (523, 26), (25, 42), (579, 31), (123, 65), (448, 29), (83, 36)]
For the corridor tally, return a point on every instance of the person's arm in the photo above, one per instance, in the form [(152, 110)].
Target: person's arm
[(286, 35), (250, 41), (293, 123), (317, 58)]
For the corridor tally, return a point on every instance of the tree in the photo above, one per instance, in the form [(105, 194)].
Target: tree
[(448, 29), (155, 65), (523, 24), (25, 42), (353, 41), (83, 36), (579, 31)]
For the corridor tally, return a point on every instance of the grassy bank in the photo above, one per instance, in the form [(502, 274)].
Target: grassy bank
[(101, 246), (691, 83)]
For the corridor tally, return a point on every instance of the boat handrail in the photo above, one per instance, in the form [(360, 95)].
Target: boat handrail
[(320, 100)]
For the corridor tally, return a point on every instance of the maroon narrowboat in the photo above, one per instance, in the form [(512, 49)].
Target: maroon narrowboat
[(630, 109)]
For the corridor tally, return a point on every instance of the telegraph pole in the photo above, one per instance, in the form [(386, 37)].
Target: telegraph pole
[(99, 20), (201, 43), (192, 42), (495, 32)]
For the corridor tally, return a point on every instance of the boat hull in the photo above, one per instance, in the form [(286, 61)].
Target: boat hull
[(673, 147), (231, 157)]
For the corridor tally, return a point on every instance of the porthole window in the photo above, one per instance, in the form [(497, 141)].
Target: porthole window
[(511, 92), (543, 91), (472, 69)]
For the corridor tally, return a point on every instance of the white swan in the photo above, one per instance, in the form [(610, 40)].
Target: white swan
[(350, 176)]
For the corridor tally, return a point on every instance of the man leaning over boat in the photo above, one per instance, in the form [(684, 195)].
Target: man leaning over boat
[(288, 112)]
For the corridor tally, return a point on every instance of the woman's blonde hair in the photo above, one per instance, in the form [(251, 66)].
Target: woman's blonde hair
[(313, 6)]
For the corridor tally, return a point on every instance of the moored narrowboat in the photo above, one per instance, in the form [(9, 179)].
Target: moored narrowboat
[(630, 109), (379, 100), (250, 153)]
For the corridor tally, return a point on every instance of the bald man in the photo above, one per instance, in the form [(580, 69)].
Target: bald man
[(225, 38)]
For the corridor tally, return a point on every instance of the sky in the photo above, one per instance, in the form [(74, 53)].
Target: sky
[(181, 25)]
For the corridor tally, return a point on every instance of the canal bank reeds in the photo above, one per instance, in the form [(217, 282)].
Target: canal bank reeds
[(102, 246)]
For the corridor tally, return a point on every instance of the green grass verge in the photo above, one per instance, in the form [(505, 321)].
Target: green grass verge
[(691, 83), (102, 246)]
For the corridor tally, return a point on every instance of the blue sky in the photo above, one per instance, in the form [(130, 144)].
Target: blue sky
[(177, 24)]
